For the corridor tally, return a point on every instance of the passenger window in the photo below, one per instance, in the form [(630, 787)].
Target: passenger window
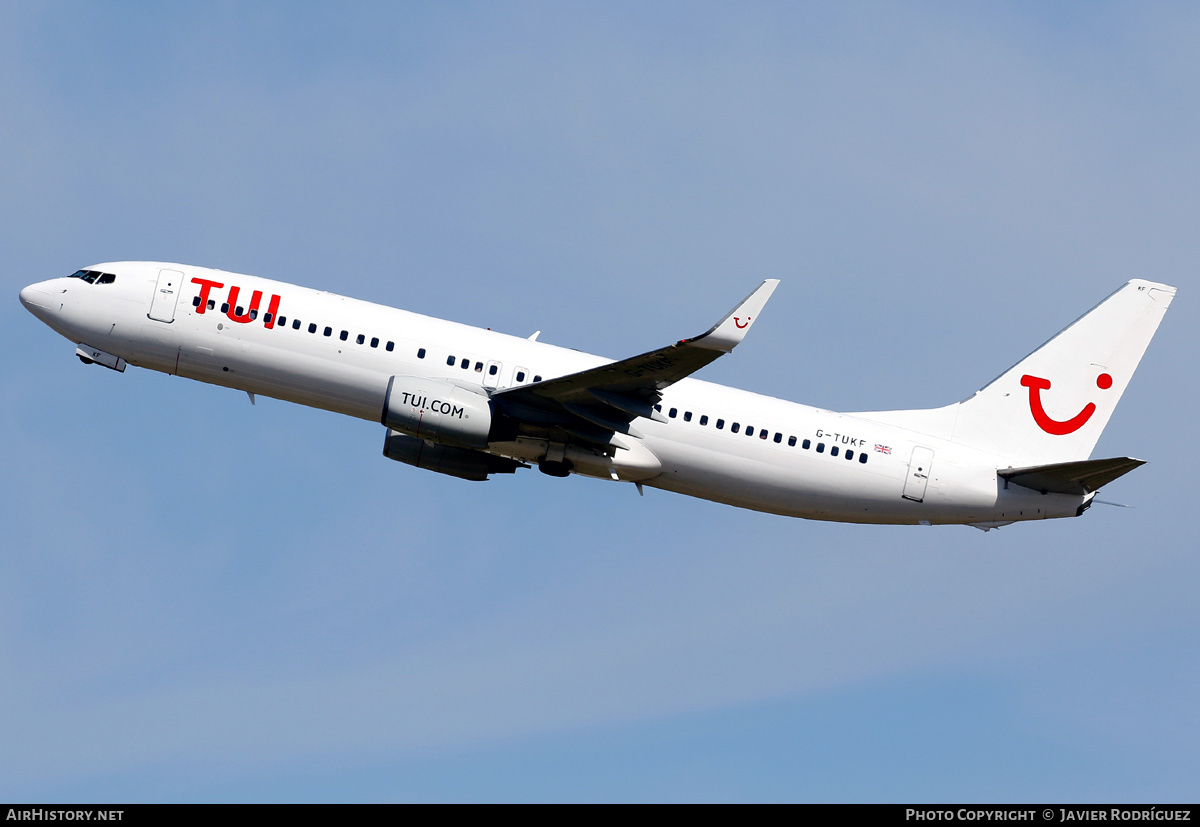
[(212, 304), (296, 324), (537, 378), (820, 447), (778, 437), (238, 311), (479, 367), (791, 442), (849, 455), (328, 331), (735, 427), (253, 313), (344, 335), (687, 416), (225, 307), (833, 452), (361, 339), (520, 376), (281, 321), (704, 419), (749, 430), (374, 341), (806, 444), (390, 347), (493, 370), (720, 424), (863, 457), (658, 408), (312, 327), (450, 360), (420, 352), (465, 364), (196, 301), (673, 413)]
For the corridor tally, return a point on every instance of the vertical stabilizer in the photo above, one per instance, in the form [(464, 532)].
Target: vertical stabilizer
[(1052, 405)]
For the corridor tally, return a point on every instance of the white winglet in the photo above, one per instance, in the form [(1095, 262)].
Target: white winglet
[(726, 333)]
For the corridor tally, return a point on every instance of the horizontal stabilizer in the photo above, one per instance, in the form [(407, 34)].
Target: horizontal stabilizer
[(1071, 477)]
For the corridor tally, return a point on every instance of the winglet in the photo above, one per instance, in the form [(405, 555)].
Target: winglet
[(725, 334)]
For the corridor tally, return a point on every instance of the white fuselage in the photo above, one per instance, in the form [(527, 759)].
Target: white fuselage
[(347, 371)]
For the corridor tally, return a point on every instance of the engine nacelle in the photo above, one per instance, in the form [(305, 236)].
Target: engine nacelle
[(446, 459), (437, 411)]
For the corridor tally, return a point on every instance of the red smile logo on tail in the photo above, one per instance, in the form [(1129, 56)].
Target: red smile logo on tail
[(1052, 426)]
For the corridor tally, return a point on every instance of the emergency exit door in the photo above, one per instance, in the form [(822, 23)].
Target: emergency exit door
[(491, 375)]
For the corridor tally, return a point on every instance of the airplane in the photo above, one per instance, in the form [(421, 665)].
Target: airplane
[(473, 403)]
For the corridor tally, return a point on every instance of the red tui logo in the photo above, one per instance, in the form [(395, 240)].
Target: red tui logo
[(1053, 426), (233, 308)]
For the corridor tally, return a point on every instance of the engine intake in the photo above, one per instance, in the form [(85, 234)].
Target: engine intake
[(437, 411)]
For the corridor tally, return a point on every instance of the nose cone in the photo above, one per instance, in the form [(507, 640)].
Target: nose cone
[(37, 299)]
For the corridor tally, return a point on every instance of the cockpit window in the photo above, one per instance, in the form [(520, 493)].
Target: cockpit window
[(93, 276)]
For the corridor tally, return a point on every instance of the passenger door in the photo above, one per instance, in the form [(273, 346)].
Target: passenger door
[(166, 295), (918, 474)]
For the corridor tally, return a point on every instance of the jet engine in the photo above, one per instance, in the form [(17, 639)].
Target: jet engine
[(446, 459), (437, 411)]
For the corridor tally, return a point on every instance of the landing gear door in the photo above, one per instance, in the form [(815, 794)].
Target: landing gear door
[(166, 294), (918, 474)]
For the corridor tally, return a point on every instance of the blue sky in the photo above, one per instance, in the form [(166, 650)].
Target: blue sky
[(204, 600)]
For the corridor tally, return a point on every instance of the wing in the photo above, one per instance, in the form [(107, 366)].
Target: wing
[(594, 404)]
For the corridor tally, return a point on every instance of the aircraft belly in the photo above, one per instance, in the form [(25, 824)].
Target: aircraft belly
[(778, 483), (292, 377), (821, 488), (243, 364)]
